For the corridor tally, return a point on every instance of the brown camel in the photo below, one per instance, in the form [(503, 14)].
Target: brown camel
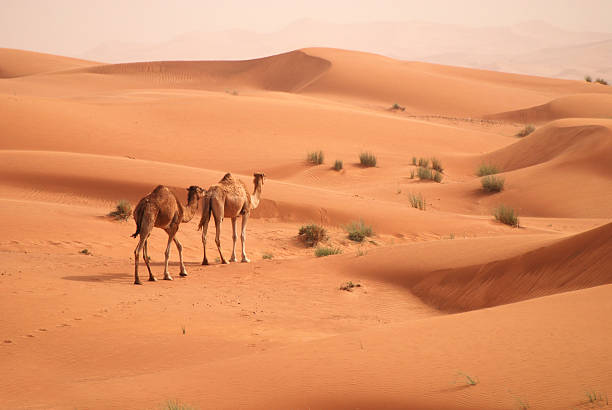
[(161, 209), (229, 198)]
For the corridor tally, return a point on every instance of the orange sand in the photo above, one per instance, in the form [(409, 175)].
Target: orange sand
[(445, 292)]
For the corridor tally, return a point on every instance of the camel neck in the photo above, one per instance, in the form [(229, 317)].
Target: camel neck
[(189, 210), (255, 196)]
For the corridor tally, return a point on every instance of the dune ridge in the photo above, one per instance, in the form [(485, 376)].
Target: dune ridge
[(20, 63), (578, 262)]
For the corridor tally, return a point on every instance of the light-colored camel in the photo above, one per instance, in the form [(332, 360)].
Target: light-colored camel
[(161, 209), (229, 199)]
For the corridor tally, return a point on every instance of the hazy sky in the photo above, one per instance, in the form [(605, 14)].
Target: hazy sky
[(70, 27)]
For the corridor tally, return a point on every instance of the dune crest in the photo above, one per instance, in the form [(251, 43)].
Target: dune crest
[(578, 262), (20, 63)]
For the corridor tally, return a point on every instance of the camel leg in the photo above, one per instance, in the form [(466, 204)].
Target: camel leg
[(234, 237), (204, 231), (146, 258), (245, 218), (180, 251), (136, 258), (218, 221), (171, 232)]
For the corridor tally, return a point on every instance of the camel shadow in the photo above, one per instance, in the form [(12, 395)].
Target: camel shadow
[(103, 277)]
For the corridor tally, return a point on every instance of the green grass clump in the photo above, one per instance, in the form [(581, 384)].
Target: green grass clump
[(526, 131), (338, 165), (469, 380), (436, 164), (397, 107), (358, 231), (601, 81), (437, 177), (424, 173), (417, 201), (424, 162), (122, 211), (414, 161), (597, 397), (267, 256), (326, 251), (349, 286), (506, 215), (176, 405), (588, 79), (315, 157), (367, 159), (486, 169), (491, 183), (312, 234)]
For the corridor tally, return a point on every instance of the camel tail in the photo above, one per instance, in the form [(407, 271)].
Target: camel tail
[(138, 212), (206, 210)]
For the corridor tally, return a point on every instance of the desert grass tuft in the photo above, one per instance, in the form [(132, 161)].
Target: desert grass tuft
[(417, 201), (601, 81), (469, 380), (367, 159), (414, 160), (506, 215), (122, 211), (397, 107), (424, 162), (437, 177), (491, 183), (588, 79), (596, 397), (437, 164), (358, 231), (312, 234), (315, 157), (267, 255), (338, 165), (412, 174), (526, 131), (486, 169), (424, 173), (176, 405), (85, 251), (326, 251)]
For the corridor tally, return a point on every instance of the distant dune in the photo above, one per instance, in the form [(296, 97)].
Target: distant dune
[(532, 47), (19, 63)]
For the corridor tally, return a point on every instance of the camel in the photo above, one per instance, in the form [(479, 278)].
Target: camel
[(229, 199), (161, 209)]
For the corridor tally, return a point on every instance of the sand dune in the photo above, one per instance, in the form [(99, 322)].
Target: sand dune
[(577, 262), (19, 63), (577, 106), (76, 137)]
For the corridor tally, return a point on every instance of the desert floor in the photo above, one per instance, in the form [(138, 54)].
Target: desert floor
[(447, 295)]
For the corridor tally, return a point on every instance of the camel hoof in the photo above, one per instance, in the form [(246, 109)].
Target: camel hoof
[(183, 274), (232, 260), (205, 262), (224, 262), (168, 277), (152, 279), (137, 282), (246, 260)]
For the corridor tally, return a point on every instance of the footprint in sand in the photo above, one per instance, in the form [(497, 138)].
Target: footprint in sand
[(42, 329), (8, 341)]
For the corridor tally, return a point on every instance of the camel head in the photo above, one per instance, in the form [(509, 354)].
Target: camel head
[(195, 193), (258, 178)]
